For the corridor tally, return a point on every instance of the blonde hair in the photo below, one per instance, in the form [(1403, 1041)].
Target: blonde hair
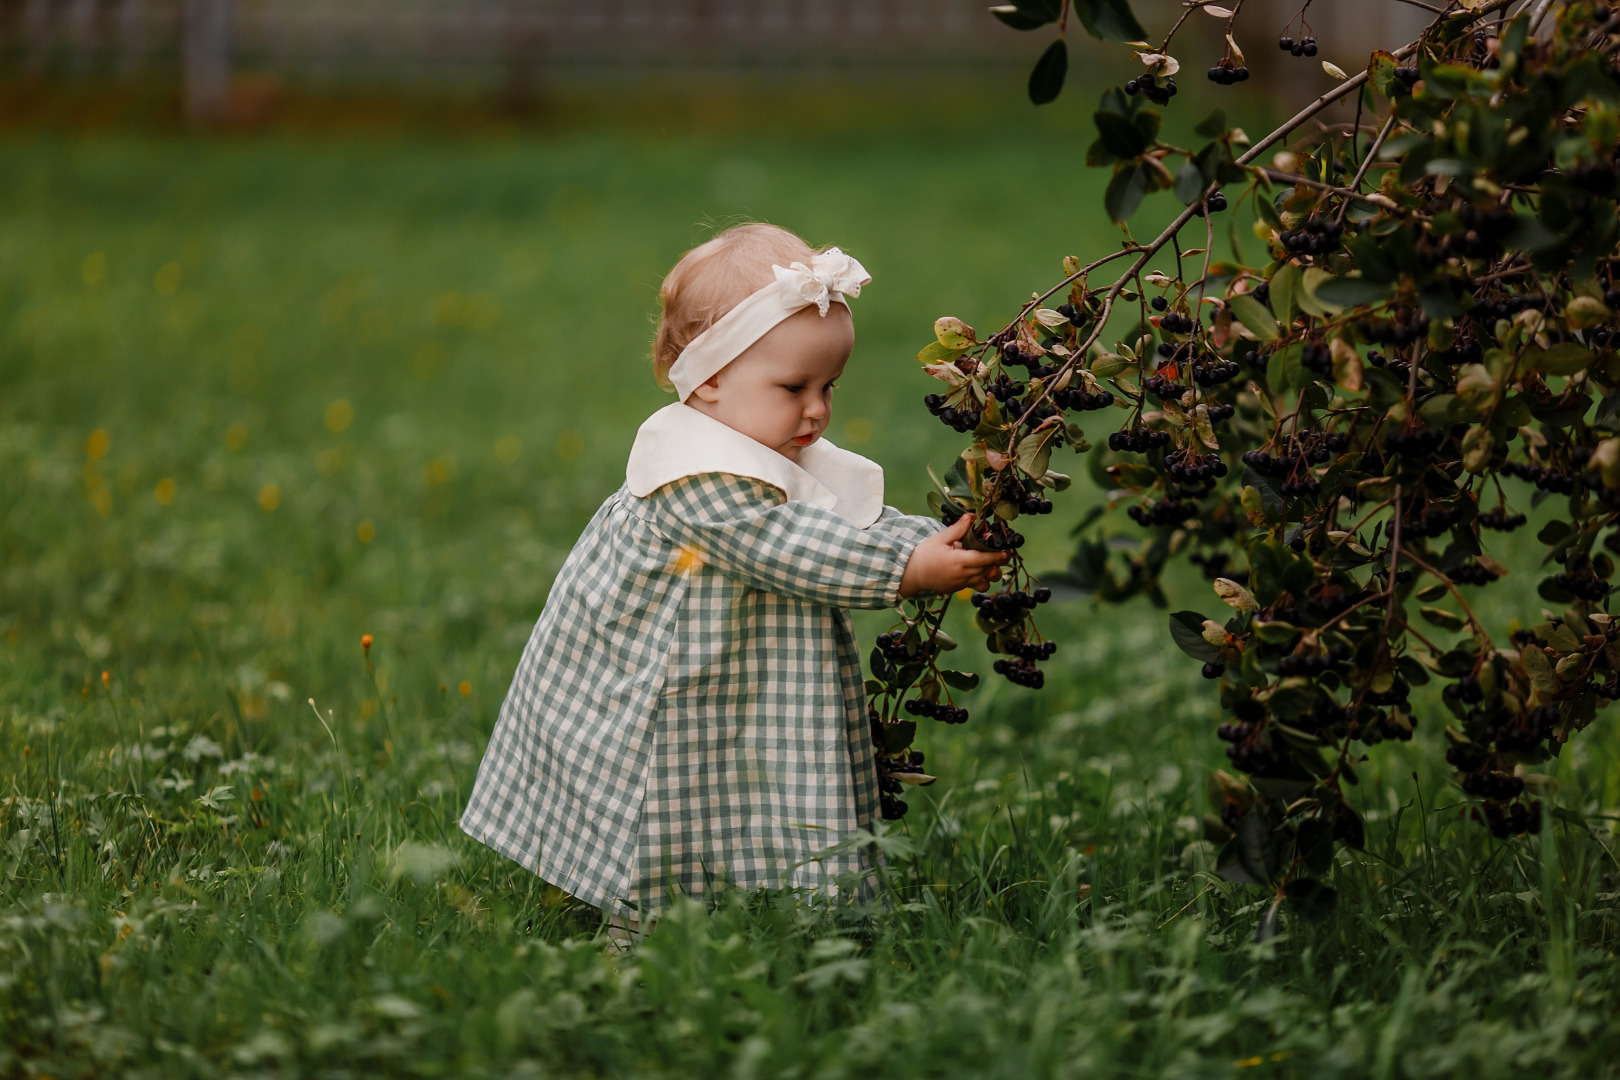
[(715, 277)]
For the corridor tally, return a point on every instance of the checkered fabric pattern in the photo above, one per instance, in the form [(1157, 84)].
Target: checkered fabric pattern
[(690, 707)]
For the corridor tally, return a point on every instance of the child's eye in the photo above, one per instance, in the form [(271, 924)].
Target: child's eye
[(794, 389)]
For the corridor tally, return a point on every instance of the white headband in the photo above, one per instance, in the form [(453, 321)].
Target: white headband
[(827, 279)]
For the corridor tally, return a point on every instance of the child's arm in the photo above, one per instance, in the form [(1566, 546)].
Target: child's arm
[(940, 564), (746, 530)]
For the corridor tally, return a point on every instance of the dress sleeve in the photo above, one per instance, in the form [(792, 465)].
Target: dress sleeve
[(750, 532)]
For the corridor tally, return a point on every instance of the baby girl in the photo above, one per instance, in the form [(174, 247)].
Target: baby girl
[(689, 710)]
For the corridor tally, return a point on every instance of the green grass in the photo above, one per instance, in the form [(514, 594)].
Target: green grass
[(198, 878)]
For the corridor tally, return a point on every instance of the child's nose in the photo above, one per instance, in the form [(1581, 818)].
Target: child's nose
[(816, 410)]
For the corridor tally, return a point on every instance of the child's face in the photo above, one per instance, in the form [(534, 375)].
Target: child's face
[(779, 391)]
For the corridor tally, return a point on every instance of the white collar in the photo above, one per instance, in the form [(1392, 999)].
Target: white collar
[(678, 441)]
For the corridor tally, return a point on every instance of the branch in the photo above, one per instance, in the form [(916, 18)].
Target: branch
[(1479, 630), (1366, 161), (1379, 201)]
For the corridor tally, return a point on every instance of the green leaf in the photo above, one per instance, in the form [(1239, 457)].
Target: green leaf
[(1267, 212), (1253, 314), (1189, 183), (1125, 192), (1213, 125), (1111, 19), (1381, 73), (1442, 618), (1187, 629), (1349, 291), (1285, 287), (1563, 358), (1119, 134), (1046, 81), (1256, 850), (935, 353), (898, 735), (1030, 14), (959, 680)]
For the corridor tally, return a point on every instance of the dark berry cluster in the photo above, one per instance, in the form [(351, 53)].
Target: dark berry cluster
[(1074, 398), (1164, 512), (1305, 46), (1472, 573), (1431, 520), (1213, 205), (1076, 316), (892, 808), (1313, 663), (1035, 504), (1137, 440), (894, 648), (1496, 786), (1151, 89), (1032, 650), (1398, 368), (1414, 442), (1215, 370), (1505, 307), (1408, 74), (1501, 520), (1176, 323), (1217, 413), (1013, 356), (1163, 387), (1254, 755), (1020, 673), (1159, 303), (1317, 357), (1547, 479), (1001, 538), (963, 420), (1003, 607), (937, 710), (1213, 669), (1397, 694), (1317, 236), (1226, 73), (1506, 821), (1516, 733), (1404, 325), (1190, 467), (1583, 584)]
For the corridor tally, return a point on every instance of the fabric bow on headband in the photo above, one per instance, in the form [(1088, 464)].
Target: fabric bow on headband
[(827, 279), (832, 272)]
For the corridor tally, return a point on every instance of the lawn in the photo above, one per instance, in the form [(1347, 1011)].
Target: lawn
[(259, 397)]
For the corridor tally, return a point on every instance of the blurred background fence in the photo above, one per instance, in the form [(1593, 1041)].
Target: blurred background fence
[(515, 46)]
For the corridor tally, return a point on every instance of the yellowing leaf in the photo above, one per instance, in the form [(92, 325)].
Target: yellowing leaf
[(1346, 364), (1476, 449), (1334, 70), (950, 373), (1235, 595), (953, 333)]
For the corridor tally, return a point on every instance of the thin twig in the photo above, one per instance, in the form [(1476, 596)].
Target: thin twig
[(1449, 584), (1366, 162), (1296, 180)]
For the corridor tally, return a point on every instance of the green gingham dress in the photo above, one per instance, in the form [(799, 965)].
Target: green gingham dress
[(689, 709)]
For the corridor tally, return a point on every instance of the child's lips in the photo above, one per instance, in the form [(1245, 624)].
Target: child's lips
[(806, 440)]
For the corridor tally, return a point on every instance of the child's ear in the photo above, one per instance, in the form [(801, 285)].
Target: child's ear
[(708, 391)]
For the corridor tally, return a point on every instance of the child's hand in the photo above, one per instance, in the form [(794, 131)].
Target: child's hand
[(940, 564)]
